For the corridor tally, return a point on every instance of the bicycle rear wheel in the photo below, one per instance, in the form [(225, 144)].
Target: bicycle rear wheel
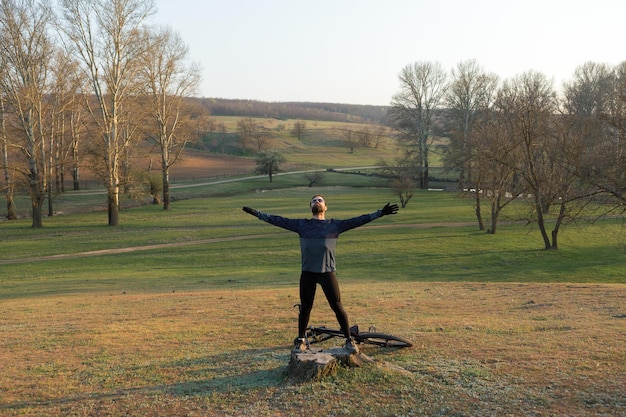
[(384, 340)]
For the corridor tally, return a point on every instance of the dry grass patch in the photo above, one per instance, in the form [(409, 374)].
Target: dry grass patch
[(195, 164), (480, 350)]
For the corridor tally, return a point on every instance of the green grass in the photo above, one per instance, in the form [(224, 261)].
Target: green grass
[(433, 239), (321, 146), (72, 202)]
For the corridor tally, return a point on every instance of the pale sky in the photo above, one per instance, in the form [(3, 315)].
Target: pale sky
[(351, 51)]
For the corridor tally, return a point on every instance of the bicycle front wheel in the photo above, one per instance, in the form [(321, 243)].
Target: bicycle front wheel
[(384, 340)]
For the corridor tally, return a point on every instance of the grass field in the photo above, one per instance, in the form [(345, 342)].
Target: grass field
[(480, 350), (189, 312)]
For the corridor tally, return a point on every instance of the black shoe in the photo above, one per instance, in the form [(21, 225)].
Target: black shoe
[(351, 346), (300, 345)]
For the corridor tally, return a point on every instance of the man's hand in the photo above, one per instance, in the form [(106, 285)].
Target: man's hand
[(251, 211), (389, 209)]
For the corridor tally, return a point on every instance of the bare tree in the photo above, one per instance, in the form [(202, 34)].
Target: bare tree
[(588, 94), (597, 100), (402, 175), (494, 166), (75, 115), (365, 137), (68, 95), (106, 36), (251, 133), (413, 111), (268, 163), (377, 135), (62, 102), (298, 129), (615, 183), (589, 101), (26, 56), (9, 177), (168, 80), (468, 99), (529, 105), (261, 138), (314, 177), (351, 137)]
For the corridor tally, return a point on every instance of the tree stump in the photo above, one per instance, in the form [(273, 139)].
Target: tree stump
[(315, 364)]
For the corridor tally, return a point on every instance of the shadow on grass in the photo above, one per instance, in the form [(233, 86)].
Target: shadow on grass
[(242, 371)]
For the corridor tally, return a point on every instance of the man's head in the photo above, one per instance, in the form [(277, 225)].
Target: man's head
[(318, 204)]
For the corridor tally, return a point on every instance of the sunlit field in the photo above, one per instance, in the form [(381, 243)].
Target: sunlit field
[(190, 312)]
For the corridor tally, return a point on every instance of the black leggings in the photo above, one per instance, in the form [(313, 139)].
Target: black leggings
[(330, 286)]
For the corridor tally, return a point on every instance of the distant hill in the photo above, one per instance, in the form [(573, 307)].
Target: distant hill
[(354, 113)]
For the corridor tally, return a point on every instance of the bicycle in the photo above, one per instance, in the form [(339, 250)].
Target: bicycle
[(371, 337)]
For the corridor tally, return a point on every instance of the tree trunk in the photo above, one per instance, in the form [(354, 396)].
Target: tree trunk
[(495, 213), (75, 170), (37, 197), (315, 364), (50, 205), (60, 166), (311, 366), (75, 181), (5, 163), (49, 182), (8, 190), (37, 215), (36, 180), (542, 227), (10, 205), (165, 172), (113, 206), (479, 216), (426, 185), (557, 226)]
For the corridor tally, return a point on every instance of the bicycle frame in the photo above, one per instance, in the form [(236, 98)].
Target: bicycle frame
[(320, 334), (371, 337)]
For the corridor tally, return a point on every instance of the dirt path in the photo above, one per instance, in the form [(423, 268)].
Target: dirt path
[(201, 242), (228, 180), (130, 249)]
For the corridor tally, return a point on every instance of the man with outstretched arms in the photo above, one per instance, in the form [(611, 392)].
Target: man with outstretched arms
[(318, 241)]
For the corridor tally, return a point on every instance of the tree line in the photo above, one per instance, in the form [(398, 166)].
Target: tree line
[(516, 139), (89, 81), (334, 112)]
